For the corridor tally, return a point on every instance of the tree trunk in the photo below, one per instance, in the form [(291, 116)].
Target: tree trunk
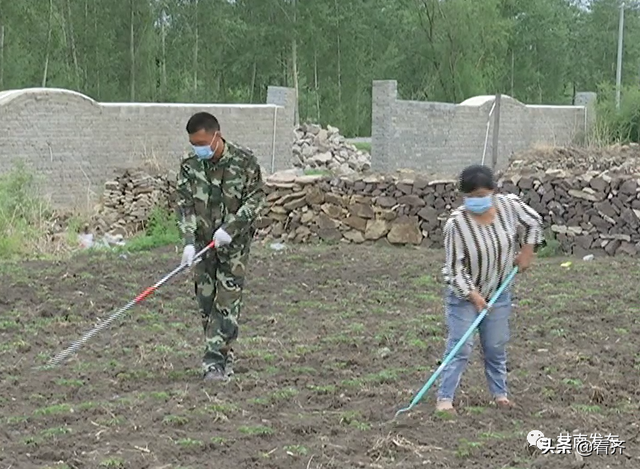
[(356, 127), (254, 76), (85, 40), (2, 21), (195, 52), (339, 61), (48, 47), (284, 64), (164, 56), (315, 82), (72, 43), (294, 65), (96, 57), (132, 56), (513, 71), (1, 57)]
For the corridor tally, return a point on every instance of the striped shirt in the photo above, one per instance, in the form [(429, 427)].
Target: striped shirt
[(481, 257)]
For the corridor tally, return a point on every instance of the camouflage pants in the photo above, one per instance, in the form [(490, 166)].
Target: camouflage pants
[(219, 281)]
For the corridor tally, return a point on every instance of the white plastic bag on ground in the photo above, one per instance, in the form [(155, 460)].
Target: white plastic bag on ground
[(86, 240)]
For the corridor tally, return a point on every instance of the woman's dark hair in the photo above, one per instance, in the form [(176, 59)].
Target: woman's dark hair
[(476, 177)]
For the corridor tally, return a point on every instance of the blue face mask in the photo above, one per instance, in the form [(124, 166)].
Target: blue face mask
[(203, 153), (478, 205)]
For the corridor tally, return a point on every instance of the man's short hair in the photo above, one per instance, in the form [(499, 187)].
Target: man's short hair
[(202, 120)]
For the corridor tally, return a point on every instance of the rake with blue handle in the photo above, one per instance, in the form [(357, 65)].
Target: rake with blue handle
[(464, 338)]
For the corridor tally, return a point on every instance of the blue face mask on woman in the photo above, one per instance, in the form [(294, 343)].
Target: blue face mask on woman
[(478, 205)]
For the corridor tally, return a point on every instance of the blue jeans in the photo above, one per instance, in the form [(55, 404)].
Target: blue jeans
[(494, 335)]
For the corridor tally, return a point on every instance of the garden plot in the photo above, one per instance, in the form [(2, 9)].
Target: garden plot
[(333, 341)]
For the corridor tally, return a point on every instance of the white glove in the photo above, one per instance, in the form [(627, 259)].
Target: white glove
[(221, 237), (188, 254)]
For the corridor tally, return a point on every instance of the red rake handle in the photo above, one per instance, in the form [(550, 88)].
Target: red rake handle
[(138, 299), (144, 294)]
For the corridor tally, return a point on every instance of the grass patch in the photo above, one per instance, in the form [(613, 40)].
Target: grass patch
[(363, 146), (551, 247), (162, 230), (316, 172), (260, 430), (25, 217)]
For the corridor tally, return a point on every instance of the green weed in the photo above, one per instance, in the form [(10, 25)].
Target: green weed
[(161, 230)]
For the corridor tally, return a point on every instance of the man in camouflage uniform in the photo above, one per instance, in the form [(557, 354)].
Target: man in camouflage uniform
[(220, 195)]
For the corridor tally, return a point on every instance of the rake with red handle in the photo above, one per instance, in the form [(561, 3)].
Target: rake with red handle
[(138, 299)]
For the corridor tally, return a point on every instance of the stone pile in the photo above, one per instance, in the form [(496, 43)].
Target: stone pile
[(374, 208), (128, 200), (588, 211), (326, 150), (616, 159), (592, 213)]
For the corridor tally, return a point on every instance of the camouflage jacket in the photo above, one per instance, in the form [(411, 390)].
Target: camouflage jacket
[(227, 194)]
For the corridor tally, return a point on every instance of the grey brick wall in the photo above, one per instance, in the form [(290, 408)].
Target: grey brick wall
[(75, 144), (443, 138)]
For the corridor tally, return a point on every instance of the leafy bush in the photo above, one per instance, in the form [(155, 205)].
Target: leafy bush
[(551, 247), (162, 230), (24, 216), (613, 125)]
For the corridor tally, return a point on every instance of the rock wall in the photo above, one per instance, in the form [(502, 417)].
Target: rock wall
[(594, 212)]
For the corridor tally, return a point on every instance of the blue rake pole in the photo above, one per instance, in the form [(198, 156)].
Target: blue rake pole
[(464, 338)]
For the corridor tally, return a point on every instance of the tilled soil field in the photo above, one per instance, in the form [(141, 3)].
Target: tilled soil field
[(333, 341)]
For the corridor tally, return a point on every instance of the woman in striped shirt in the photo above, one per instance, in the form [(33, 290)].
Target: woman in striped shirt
[(481, 238)]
